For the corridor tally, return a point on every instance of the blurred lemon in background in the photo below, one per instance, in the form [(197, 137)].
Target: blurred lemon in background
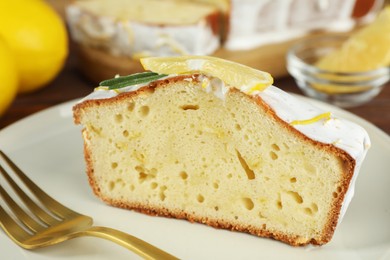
[(366, 49), (8, 76), (38, 39)]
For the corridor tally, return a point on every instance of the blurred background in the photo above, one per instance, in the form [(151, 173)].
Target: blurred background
[(55, 51)]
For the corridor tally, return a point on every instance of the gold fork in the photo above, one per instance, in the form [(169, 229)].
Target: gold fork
[(52, 222)]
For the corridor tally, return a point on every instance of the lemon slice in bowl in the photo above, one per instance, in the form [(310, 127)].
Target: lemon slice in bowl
[(355, 67), (366, 49), (234, 74)]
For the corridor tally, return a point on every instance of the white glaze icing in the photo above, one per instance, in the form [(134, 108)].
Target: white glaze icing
[(134, 38), (341, 133)]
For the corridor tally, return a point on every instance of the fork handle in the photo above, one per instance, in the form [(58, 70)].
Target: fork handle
[(136, 245)]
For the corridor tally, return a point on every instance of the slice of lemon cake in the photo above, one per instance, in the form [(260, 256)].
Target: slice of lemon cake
[(214, 142)]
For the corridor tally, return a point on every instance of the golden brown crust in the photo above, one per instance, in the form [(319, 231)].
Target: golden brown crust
[(347, 160)]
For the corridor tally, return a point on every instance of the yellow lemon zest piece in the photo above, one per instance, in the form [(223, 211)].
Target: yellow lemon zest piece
[(101, 88), (326, 116), (205, 83), (257, 87)]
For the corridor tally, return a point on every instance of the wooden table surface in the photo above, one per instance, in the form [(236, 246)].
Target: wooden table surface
[(70, 84)]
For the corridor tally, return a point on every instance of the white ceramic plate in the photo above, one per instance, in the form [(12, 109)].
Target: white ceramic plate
[(49, 148)]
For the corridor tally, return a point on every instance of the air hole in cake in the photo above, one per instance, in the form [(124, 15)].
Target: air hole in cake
[(139, 168), (275, 147), (229, 176), (153, 185), (162, 193), (249, 172), (235, 217), (262, 216), (308, 211), (118, 118), (200, 198), (111, 185), (314, 207), (183, 175), (246, 137), (286, 146), (114, 165), (216, 208), (144, 111), (335, 194), (233, 115), (125, 133), (273, 155), (120, 145), (215, 185), (339, 189), (238, 127), (248, 203), (132, 187), (293, 180), (190, 107), (130, 106), (295, 195), (145, 174), (279, 204), (140, 157), (142, 176)]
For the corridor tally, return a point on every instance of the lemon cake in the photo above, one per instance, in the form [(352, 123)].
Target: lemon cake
[(214, 142), (145, 27), (111, 36)]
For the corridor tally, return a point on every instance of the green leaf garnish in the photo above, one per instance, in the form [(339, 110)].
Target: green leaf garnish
[(130, 80)]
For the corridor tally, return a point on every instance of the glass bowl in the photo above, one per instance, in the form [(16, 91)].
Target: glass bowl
[(341, 89)]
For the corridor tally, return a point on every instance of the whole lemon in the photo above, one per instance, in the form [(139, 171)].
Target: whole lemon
[(8, 77), (38, 38)]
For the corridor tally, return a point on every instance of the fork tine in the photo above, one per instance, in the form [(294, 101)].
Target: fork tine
[(38, 211), (28, 221), (50, 203), (11, 227)]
